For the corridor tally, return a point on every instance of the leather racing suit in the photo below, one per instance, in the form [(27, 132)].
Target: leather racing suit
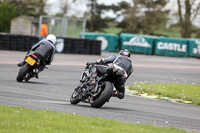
[(122, 65), (45, 50)]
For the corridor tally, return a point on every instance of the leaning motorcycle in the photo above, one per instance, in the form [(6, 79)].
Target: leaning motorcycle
[(29, 69), (96, 94)]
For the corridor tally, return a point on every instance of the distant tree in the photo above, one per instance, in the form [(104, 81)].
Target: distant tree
[(96, 22), (93, 15), (30, 7), (7, 12), (13, 8), (145, 16), (64, 6), (130, 22), (42, 4), (191, 9)]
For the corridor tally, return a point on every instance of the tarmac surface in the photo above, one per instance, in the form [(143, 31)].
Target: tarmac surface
[(55, 85)]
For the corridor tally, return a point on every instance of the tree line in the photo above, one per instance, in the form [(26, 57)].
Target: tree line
[(139, 17)]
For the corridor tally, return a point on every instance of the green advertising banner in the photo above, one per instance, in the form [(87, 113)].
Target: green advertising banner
[(109, 42), (194, 49), (171, 47), (137, 43)]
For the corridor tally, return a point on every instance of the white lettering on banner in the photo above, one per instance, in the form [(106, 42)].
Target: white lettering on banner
[(197, 42), (137, 41), (196, 50), (104, 42), (172, 46)]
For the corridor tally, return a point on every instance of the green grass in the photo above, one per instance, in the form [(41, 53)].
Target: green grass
[(188, 92), (19, 120), (113, 30), (168, 33), (171, 33)]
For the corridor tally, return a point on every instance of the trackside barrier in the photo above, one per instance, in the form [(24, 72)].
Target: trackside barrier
[(63, 45), (144, 44), (17, 42), (171, 47), (194, 47), (164, 46), (137, 43), (109, 41)]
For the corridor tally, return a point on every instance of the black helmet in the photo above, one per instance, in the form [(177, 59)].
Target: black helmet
[(125, 52)]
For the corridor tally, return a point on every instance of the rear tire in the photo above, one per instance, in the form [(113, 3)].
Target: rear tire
[(22, 72), (104, 96), (74, 98), (28, 77)]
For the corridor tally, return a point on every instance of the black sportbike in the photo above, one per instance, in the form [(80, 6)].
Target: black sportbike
[(29, 69), (96, 94)]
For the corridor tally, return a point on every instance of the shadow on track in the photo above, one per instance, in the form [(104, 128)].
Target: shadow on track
[(103, 108), (32, 82)]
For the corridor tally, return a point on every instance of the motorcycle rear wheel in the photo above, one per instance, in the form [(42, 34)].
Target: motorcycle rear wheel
[(22, 72), (100, 100), (28, 76)]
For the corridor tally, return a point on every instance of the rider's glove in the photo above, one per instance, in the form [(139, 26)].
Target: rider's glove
[(100, 62), (90, 63)]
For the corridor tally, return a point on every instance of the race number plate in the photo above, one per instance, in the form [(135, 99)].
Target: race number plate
[(30, 61)]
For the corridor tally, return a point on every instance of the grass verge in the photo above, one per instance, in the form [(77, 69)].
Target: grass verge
[(19, 120), (188, 92)]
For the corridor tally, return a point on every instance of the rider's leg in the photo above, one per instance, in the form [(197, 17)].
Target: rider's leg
[(120, 87), (97, 70), (42, 65), (110, 70), (22, 62)]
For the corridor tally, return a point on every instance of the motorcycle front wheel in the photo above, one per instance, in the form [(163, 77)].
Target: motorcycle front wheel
[(74, 98)]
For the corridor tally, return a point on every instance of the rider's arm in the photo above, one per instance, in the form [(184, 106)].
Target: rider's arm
[(35, 46), (52, 56), (130, 73), (107, 60)]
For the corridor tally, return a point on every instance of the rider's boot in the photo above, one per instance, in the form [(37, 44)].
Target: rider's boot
[(36, 75), (41, 68), (118, 94), (21, 64), (36, 72)]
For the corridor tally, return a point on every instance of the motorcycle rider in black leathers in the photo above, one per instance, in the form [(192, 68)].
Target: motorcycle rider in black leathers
[(44, 50), (118, 73)]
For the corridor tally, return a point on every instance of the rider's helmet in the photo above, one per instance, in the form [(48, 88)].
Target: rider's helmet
[(125, 52), (51, 38)]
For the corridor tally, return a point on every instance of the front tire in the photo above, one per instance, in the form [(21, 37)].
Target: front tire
[(75, 98), (105, 95), (22, 72)]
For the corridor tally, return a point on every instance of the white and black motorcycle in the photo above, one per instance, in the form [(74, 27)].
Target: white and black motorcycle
[(96, 94)]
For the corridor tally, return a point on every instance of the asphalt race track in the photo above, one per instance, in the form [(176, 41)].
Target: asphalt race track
[(55, 85)]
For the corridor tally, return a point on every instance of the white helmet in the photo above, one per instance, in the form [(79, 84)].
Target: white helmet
[(51, 38)]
